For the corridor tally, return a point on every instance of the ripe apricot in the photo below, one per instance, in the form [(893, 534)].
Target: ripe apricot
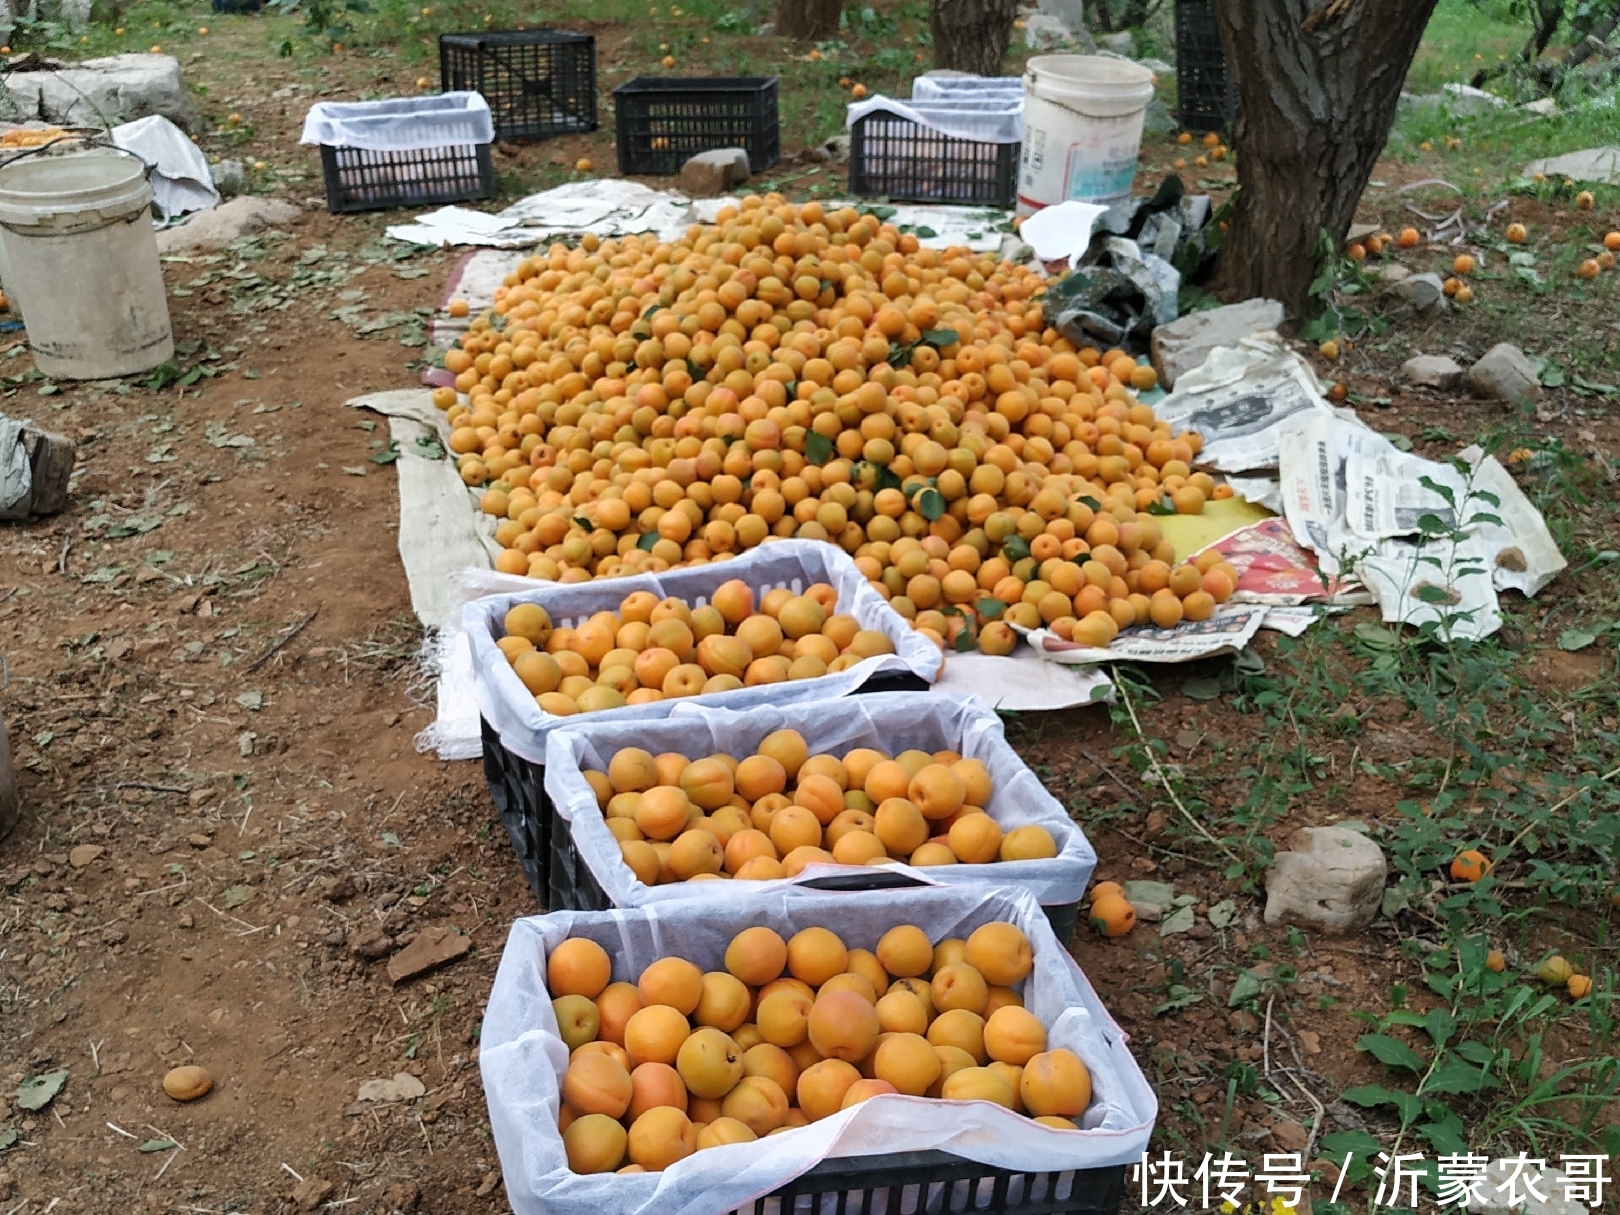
[(816, 955), (823, 1085), (757, 955), (864, 1090), (594, 1143), (722, 1131), (1469, 866), (908, 1062), (1112, 915), (1028, 843), (597, 1084), (900, 1011), (710, 1062), (617, 1003), (1013, 1035), (1000, 952), (960, 986), (696, 852), (661, 1137), (783, 1017), (900, 825), (655, 1084), (725, 1002), (975, 839), (1056, 1082), (655, 1034), (758, 1102), (674, 982), (578, 967), (978, 1084), (961, 1028), (905, 951), (936, 791)]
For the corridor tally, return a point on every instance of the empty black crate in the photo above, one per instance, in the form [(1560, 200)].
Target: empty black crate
[(939, 1181), (663, 121), (359, 179), (1206, 94), (538, 83), (892, 157)]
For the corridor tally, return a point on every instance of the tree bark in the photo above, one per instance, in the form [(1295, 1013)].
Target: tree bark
[(1317, 89), (1601, 31), (972, 35), (809, 20)]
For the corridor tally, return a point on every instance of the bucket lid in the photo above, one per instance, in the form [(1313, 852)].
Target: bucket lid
[(1091, 85), (33, 189), (1083, 70)]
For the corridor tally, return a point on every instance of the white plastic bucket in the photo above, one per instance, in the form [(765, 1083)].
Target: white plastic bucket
[(82, 258), (1082, 129)]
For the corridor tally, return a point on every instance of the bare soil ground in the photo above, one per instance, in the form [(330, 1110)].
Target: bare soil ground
[(213, 698)]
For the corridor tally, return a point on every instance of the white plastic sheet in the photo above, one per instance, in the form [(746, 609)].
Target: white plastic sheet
[(523, 727), (983, 119), (521, 1056), (181, 180), (886, 721)]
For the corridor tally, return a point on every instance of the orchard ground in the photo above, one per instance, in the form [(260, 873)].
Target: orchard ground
[(258, 807)]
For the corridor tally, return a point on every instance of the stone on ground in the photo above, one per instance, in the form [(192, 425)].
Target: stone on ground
[(1601, 165), (1186, 342), (432, 948), (230, 178), (118, 88), (1504, 374), (1505, 1181), (710, 173), (1424, 294), (1432, 371), (1331, 880), (218, 227)]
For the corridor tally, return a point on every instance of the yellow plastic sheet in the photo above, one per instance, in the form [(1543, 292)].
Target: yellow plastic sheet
[(1190, 533)]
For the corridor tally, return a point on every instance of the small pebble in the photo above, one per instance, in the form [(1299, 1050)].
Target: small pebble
[(187, 1083)]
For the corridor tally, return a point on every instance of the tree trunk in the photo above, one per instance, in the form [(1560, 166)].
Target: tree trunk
[(808, 20), (1601, 31), (1317, 89), (972, 35)]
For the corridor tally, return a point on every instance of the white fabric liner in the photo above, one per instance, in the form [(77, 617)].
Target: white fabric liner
[(1023, 681), (401, 124), (181, 180), (886, 721), (951, 88), (522, 725), (521, 1057), (992, 119)]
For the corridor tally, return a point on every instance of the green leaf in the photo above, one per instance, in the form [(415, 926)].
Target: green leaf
[(235, 896), (1376, 636), (1161, 507), (1357, 1147), (1446, 1135), (386, 457), (1179, 997), (1160, 894), (1246, 988), (1180, 921), (1575, 639), (965, 641), (1223, 913), (1441, 1026), (1475, 1052), (8, 1136), (646, 541), (818, 448), (990, 609), (1015, 548), (1370, 1095), (1390, 1052), (930, 504), (1202, 689), (251, 701), (159, 1145), (1455, 1076), (35, 1093), (1398, 441), (388, 837), (940, 337)]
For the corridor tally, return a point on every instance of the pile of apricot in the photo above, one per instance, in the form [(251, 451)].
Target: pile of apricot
[(793, 1031), (769, 815)]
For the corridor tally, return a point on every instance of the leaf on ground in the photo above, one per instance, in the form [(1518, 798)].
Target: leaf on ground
[(1575, 639), (1160, 894), (354, 470), (1180, 921), (1390, 1051), (1247, 987), (8, 1136), (35, 1093), (235, 896), (158, 1145), (1223, 913), (1202, 689), (252, 701), (1377, 636)]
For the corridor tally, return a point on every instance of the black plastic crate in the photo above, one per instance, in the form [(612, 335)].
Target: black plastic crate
[(359, 179), (939, 1181), (562, 881), (893, 157), (663, 121), (1206, 94), (538, 82)]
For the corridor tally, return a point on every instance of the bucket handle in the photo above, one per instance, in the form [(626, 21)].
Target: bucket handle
[(1031, 80)]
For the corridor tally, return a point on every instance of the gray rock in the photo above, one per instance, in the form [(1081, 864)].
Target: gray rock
[(119, 88), (838, 149), (1424, 294), (710, 173), (1504, 374), (1432, 371), (1600, 165), (45, 465), (230, 178), (1185, 343), (1157, 65), (1492, 1197), (1043, 32), (1394, 272), (1122, 43), (1332, 880), (218, 227), (1465, 99), (1359, 232), (1545, 106), (1072, 13)]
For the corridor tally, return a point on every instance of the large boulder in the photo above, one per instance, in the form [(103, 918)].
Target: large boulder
[(219, 226), (1432, 371), (712, 173), (96, 92), (1186, 342), (1504, 374)]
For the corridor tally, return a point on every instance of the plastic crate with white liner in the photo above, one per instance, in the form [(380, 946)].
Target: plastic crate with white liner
[(403, 152), (587, 866), (914, 1151), (958, 150)]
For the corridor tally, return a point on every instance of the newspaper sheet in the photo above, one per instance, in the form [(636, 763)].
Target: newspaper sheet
[(1273, 568), (1229, 630), (1240, 399), (1312, 457), (1524, 556), (1390, 494), (1441, 582)]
